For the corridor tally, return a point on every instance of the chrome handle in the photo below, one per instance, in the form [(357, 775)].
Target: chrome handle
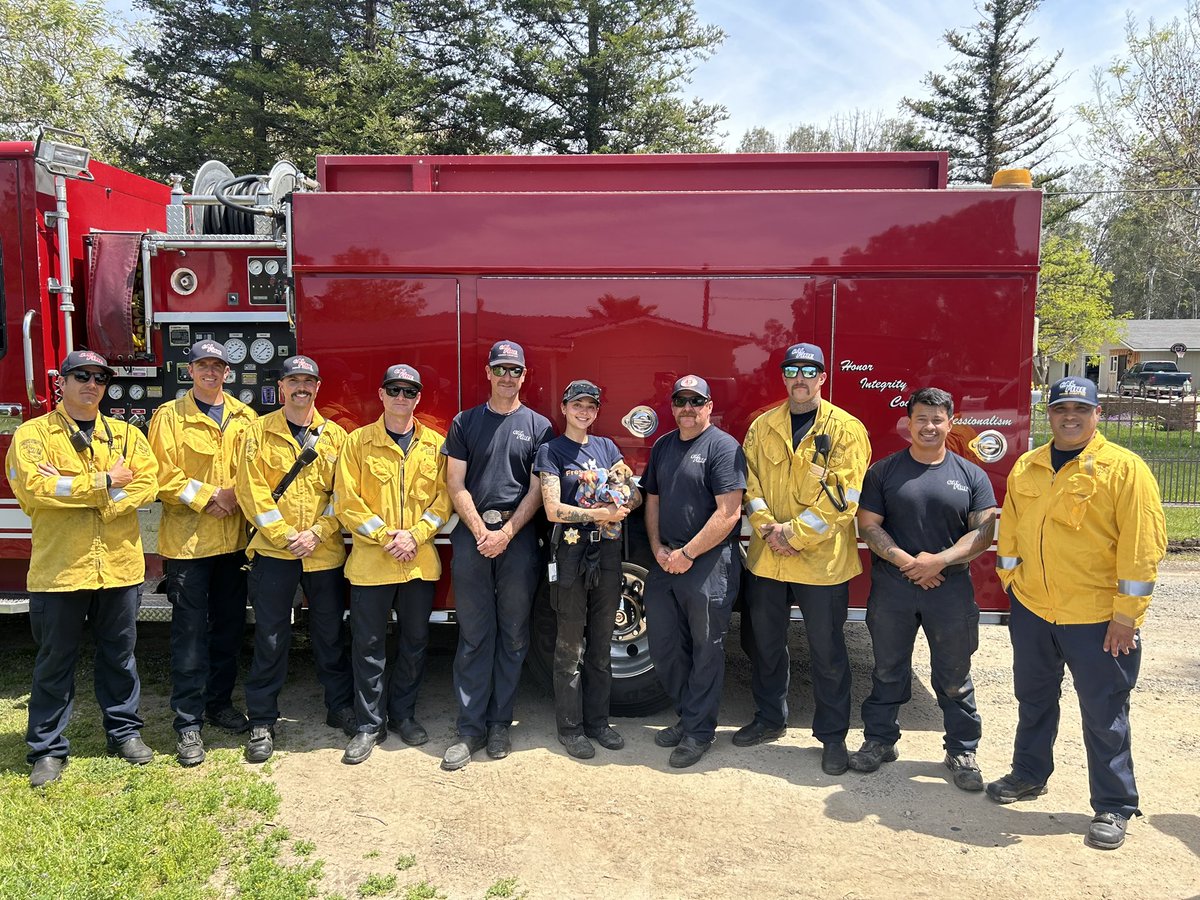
[(27, 345)]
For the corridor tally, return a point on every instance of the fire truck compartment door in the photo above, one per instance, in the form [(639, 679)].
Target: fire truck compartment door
[(356, 326)]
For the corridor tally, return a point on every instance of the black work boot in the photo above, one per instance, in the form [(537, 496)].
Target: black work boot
[(871, 755)]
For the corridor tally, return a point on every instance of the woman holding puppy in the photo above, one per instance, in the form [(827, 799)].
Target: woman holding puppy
[(587, 492)]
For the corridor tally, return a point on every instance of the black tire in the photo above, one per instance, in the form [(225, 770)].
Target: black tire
[(636, 690)]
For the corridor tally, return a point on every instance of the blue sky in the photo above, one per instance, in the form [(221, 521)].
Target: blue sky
[(787, 62)]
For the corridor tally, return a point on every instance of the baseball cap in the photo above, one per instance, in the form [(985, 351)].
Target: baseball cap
[(693, 383), (299, 365), (581, 388), (402, 373), (804, 355), (208, 349), (507, 352), (77, 359), (1074, 389)]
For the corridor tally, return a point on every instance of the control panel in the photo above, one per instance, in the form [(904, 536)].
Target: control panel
[(256, 351)]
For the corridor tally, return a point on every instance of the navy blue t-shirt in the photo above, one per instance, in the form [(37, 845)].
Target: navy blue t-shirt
[(499, 452), (688, 476), (924, 507)]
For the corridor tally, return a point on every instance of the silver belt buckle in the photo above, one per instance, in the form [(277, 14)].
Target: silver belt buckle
[(492, 517), (594, 535)]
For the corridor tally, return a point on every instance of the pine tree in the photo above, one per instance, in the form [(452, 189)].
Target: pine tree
[(994, 106)]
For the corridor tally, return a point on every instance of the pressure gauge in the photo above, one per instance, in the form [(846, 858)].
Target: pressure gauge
[(116, 392), (181, 393), (246, 395), (256, 267), (262, 351), (272, 267), (136, 392), (235, 349)]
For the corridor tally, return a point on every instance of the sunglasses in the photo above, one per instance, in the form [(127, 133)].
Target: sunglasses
[(395, 390), (514, 371), (83, 377), (806, 371), (695, 402)]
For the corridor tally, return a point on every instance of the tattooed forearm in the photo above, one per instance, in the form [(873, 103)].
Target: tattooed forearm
[(982, 524), (635, 499), (574, 514), (880, 542)]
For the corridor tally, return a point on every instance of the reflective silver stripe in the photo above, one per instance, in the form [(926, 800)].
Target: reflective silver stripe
[(1135, 588), (190, 490), (758, 504), (262, 520), (1007, 562), (62, 487), (117, 495), (12, 474), (433, 520), (813, 521), (369, 527), (328, 509), (852, 495)]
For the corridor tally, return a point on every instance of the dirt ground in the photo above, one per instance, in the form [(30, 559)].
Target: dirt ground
[(763, 821)]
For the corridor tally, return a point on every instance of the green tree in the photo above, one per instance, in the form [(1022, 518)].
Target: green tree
[(235, 80), (1073, 305), (993, 108), (1144, 128), (599, 76), (58, 63)]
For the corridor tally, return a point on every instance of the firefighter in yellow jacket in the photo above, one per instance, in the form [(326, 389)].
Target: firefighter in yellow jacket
[(202, 540), (806, 460), (391, 496), (1081, 537), (285, 488), (80, 477)]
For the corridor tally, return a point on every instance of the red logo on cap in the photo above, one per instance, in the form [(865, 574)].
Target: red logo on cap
[(690, 381), (91, 357)]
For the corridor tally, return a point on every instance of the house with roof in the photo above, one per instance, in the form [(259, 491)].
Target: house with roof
[(1143, 340)]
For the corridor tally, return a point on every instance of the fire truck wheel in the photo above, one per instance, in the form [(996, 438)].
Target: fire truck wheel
[(635, 688)]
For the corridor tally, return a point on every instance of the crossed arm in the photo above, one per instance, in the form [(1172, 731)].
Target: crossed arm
[(925, 569)]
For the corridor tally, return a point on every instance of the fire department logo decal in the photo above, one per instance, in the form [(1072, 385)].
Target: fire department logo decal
[(33, 451), (641, 421), (251, 447), (989, 446)]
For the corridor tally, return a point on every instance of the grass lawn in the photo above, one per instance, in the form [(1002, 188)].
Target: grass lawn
[(111, 830), (1182, 522)]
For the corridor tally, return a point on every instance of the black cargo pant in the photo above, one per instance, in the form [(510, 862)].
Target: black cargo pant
[(585, 600), (208, 621), (57, 620), (824, 607), (370, 606), (688, 616), (272, 585)]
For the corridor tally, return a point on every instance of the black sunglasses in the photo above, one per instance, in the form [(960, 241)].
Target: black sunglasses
[(514, 371), (696, 402), (395, 390), (83, 376), (806, 371)]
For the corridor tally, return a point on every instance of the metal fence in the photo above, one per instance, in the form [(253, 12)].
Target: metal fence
[(1163, 431)]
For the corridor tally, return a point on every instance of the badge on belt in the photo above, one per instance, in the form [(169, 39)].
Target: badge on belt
[(571, 536)]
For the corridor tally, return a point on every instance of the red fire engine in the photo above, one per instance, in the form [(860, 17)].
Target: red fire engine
[(627, 270)]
